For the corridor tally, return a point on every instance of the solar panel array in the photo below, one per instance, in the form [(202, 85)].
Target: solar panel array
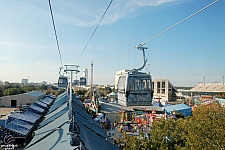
[(47, 100), (41, 105), (22, 124), (36, 109)]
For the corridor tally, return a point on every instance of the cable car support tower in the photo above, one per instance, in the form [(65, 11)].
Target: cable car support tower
[(71, 68)]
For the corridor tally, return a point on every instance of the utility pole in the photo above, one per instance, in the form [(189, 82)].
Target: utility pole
[(71, 68), (204, 80), (28, 79), (223, 79)]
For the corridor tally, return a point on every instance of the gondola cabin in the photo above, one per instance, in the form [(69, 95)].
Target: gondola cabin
[(62, 82), (135, 89)]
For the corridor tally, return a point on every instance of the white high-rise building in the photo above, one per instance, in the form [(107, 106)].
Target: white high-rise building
[(85, 75)]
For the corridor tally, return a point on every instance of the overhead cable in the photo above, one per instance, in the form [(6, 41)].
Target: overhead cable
[(181, 22), (56, 37), (165, 30), (94, 31)]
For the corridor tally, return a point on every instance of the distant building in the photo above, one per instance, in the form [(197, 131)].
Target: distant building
[(164, 90), (44, 83), (207, 89), (24, 81), (21, 99), (6, 83), (85, 75)]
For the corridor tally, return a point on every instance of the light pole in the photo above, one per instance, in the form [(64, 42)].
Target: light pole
[(223, 79)]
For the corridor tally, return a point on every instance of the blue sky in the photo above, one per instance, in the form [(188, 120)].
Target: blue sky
[(184, 55)]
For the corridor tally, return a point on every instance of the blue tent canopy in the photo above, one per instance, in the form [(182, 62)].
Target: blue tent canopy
[(182, 108)]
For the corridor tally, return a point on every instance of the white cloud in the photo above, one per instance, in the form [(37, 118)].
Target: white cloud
[(89, 15)]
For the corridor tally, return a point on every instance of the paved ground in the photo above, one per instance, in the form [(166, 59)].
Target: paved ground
[(5, 111)]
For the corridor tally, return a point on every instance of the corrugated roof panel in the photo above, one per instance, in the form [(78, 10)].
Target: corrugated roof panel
[(58, 140), (63, 99), (57, 115), (74, 99), (92, 126), (93, 141)]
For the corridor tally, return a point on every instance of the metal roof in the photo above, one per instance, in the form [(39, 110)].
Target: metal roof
[(91, 124), (208, 88), (51, 137), (35, 93), (46, 130), (55, 134), (93, 141)]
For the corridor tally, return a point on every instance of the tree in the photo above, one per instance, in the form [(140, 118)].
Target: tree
[(13, 91), (1, 92), (204, 130), (80, 92)]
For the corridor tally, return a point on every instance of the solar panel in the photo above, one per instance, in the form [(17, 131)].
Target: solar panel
[(17, 128), (36, 109), (40, 104), (22, 123), (32, 114), (28, 118), (47, 100), (51, 96)]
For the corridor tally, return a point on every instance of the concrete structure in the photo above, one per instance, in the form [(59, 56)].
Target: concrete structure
[(21, 99), (164, 90)]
